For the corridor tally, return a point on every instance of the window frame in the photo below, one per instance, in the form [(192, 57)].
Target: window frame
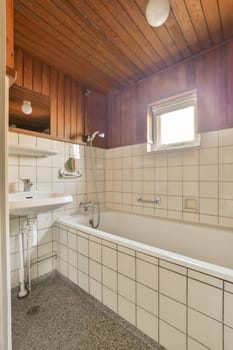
[(171, 104)]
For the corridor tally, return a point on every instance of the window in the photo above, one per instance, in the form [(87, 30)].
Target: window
[(172, 123)]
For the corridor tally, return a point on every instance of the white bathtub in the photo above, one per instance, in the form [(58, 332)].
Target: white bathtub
[(171, 280), (205, 248)]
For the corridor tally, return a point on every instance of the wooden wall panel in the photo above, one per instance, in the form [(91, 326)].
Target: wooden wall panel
[(67, 111), (53, 101), (10, 36), (60, 105), (67, 98), (80, 112), (211, 90), (27, 71), (229, 68), (96, 116), (210, 73), (45, 79), (36, 76)]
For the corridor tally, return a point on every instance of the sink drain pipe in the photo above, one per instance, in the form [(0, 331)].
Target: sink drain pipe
[(22, 290), (29, 229)]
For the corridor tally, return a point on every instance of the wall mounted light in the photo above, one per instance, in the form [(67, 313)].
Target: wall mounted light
[(157, 12), (26, 107)]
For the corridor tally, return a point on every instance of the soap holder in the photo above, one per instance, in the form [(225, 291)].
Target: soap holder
[(191, 205), (66, 175)]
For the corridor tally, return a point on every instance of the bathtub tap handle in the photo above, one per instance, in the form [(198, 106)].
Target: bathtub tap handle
[(86, 205)]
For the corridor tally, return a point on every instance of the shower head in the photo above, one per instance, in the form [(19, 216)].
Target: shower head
[(90, 138)]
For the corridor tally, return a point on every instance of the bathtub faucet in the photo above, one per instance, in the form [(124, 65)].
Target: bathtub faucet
[(86, 205)]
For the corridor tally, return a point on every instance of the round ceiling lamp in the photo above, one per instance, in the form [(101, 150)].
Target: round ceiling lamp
[(26, 107), (157, 12)]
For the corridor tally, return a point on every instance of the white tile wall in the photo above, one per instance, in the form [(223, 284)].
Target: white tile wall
[(44, 174), (204, 174), (183, 310)]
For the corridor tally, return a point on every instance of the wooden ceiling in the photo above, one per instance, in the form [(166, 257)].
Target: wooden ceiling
[(108, 44)]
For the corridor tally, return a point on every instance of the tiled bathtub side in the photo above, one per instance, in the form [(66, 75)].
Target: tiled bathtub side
[(180, 308)]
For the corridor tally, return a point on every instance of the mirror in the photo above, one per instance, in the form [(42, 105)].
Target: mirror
[(36, 115)]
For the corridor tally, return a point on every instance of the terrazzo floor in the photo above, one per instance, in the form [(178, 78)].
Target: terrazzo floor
[(58, 315)]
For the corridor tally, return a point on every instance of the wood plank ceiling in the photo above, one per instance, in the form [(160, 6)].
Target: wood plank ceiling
[(108, 44)]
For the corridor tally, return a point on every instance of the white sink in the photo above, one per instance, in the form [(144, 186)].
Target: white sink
[(32, 203)]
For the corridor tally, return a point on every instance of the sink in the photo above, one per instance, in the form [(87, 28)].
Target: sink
[(32, 203)]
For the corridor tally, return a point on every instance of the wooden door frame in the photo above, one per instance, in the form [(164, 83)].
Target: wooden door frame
[(5, 296)]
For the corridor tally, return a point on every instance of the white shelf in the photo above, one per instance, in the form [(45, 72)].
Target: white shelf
[(30, 151)]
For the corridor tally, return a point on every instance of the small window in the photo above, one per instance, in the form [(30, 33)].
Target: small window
[(172, 123)]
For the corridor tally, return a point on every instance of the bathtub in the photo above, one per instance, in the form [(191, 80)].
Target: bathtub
[(210, 249), (172, 280)]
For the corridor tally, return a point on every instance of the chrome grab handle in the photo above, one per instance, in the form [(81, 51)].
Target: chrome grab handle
[(157, 200)]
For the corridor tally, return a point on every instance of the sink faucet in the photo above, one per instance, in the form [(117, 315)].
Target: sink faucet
[(27, 185)]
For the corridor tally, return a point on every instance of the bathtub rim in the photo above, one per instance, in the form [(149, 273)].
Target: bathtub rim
[(197, 265)]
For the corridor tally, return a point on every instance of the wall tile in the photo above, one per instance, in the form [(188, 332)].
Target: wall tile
[(110, 299), (147, 323), (127, 310), (173, 285), (95, 270), (209, 139), (126, 265), (109, 257), (209, 173), (147, 299), (110, 278), (172, 312), (95, 289), (193, 345), (205, 330), (228, 338), (209, 206), (95, 251), (209, 156), (191, 173), (225, 137), (82, 245), (228, 307), (147, 274), (126, 287), (205, 298), (171, 338)]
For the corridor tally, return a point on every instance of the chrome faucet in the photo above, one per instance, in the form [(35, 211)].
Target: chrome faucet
[(86, 205), (27, 185)]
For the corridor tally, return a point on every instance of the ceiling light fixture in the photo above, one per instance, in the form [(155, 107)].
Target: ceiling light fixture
[(26, 107), (157, 12)]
